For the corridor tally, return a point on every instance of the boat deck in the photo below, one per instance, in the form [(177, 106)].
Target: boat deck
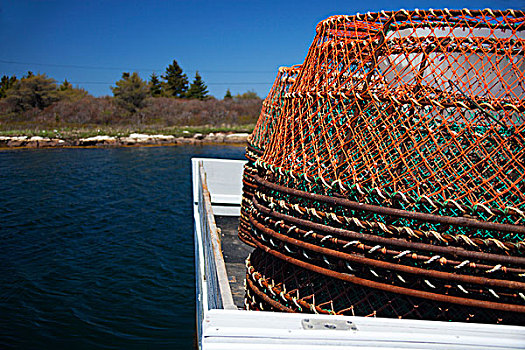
[(235, 253)]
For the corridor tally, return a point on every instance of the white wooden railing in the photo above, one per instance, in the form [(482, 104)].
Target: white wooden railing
[(218, 288)]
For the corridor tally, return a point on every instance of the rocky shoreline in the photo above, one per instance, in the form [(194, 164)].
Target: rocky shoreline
[(116, 141)]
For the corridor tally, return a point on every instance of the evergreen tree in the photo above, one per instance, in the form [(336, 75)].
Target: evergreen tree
[(155, 87), (130, 92), (66, 85), (176, 82), (5, 84), (66, 91), (228, 95), (198, 89), (33, 91)]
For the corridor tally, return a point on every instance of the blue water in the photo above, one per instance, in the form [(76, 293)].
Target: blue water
[(96, 247)]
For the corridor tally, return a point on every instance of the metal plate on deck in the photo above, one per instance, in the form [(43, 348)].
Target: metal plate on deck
[(328, 325)]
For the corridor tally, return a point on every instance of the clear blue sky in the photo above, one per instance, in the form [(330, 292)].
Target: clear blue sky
[(233, 44)]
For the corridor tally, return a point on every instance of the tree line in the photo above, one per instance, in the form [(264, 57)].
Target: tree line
[(130, 92), (35, 91), (36, 101)]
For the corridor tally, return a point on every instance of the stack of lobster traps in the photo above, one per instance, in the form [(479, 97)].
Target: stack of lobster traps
[(386, 175), (270, 112)]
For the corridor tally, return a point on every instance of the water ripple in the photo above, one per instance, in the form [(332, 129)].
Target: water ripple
[(97, 247)]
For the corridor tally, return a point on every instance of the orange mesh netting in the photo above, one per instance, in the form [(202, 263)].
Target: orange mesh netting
[(394, 165), (272, 107), (270, 113), (423, 103)]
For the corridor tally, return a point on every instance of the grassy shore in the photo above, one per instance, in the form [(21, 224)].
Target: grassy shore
[(70, 121)]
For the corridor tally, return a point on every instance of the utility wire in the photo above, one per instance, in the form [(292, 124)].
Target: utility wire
[(76, 66), (237, 83)]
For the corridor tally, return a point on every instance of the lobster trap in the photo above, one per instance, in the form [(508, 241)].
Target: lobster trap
[(275, 285), (395, 162), (270, 113)]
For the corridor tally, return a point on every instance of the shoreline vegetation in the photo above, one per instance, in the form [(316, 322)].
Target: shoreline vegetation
[(36, 112)]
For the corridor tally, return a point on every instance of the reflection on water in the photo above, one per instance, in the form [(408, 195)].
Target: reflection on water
[(96, 247)]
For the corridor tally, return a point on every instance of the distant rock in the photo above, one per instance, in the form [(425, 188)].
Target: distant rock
[(219, 137), (210, 137), (16, 141), (163, 137), (36, 141), (55, 143), (32, 142), (147, 139), (18, 138), (132, 139), (97, 140), (138, 136), (236, 138)]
